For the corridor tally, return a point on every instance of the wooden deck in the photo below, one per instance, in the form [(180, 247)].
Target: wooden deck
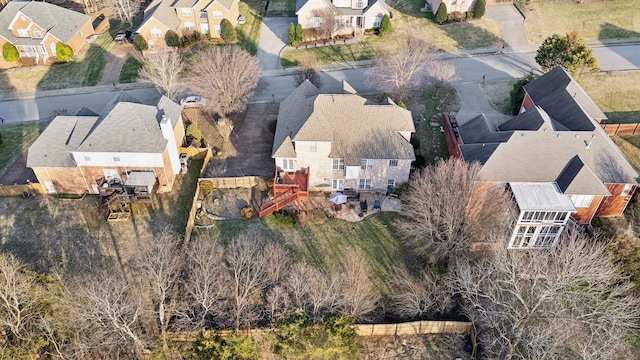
[(288, 187)]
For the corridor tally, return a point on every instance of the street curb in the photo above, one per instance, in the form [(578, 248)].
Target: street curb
[(75, 91)]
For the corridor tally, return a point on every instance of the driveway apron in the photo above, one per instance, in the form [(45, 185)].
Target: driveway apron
[(273, 38), (512, 24)]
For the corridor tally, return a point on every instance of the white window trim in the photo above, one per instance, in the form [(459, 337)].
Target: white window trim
[(337, 164), (313, 146), (364, 184), (582, 201), (216, 14), (188, 26), (337, 184), (315, 22), (288, 164), (186, 12), (391, 183), (156, 33), (366, 164), (626, 190), (393, 163), (377, 21)]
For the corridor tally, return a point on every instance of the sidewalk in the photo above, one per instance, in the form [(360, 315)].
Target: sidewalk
[(74, 91), (452, 55)]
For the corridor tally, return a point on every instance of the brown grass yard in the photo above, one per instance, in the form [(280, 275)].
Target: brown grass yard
[(616, 93), (630, 147), (497, 93), (592, 19)]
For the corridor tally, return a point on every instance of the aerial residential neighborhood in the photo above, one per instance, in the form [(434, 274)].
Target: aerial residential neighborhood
[(382, 179)]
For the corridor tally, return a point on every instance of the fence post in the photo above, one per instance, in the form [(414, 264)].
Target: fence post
[(635, 129)]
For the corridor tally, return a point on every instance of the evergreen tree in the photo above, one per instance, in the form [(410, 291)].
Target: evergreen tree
[(569, 52), (10, 53), (172, 38), (298, 33), (385, 25), (517, 93), (228, 32), (291, 35), (140, 43), (479, 9), (441, 14)]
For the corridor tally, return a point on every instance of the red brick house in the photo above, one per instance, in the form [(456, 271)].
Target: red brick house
[(554, 157)]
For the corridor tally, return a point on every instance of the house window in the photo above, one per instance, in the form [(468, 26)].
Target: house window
[(359, 4), (364, 184), (152, 45), (217, 14), (186, 12), (53, 49), (188, 26), (204, 28), (377, 21), (313, 147), (391, 183), (539, 217), (218, 29), (366, 164), (315, 22), (337, 184), (288, 164), (582, 201), (156, 33), (23, 33), (337, 164), (87, 158), (626, 190), (37, 34), (116, 158), (535, 237), (393, 163)]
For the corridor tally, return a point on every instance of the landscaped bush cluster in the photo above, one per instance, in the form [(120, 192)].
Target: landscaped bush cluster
[(444, 16), (10, 53)]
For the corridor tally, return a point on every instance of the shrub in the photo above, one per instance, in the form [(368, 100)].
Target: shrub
[(194, 132), (420, 162), (184, 41), (63, 51), (196, 36), (441, 14), (402, 105), (517, 93), (140, 43), (479, 8), (415, 142), (449, 17), (469, 14), (10, 53), (228, 32), (458, 16), (172, 39), (385, 25), (206, 188), (291, 35), (298, 33), (211, 346)]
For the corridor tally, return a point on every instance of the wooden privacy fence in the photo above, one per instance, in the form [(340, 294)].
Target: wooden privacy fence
[(622, 129), (234, 182), (17, 190), (408, 328)]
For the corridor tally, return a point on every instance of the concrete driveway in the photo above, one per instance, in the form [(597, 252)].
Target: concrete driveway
[(252, 140), (273, 38), (512, 24)]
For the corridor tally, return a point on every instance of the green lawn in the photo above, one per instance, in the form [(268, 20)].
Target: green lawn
[(249, 32), (323, 241), (16, 139), (409, 21), (282, 8), (591, 19), (129, 72)]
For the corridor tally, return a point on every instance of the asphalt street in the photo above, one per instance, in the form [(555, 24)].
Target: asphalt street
[(29, 107)]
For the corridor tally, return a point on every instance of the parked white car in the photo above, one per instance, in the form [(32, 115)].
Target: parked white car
[(191, 101)]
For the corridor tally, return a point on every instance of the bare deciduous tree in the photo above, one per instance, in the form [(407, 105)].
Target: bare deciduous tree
[(105, 315), (226, 75), (163, 70), (441, 74), (328, 22), (21, 297), (568, 302), (158, 266), (278, 303), (308, 71), (207, 282), (399, 72), (439, 220), (421, 295), (124, 10), (359, 294)]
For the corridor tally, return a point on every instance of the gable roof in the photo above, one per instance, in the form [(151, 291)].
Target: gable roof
[(576, 178), (564, 100), (357, 128), (122, 127), (163, 12), (60, 22)]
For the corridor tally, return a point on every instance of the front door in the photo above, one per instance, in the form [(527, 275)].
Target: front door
[(204, 28)]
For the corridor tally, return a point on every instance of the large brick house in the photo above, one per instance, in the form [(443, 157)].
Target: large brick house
[(77, 154), (554, 157), (35, 28), (185, 17)]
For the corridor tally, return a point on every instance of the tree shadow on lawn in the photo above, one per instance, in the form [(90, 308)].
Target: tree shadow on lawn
[(5, 84), (611, 31)]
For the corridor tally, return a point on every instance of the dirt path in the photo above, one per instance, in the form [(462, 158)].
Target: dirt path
[(116, 57)]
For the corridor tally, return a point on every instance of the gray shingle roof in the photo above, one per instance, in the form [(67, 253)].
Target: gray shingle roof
[(576, 178), (64, 134), (356, 127), (564, 100), (123, 126), (481, 130), (162, 11), (60, 22)]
